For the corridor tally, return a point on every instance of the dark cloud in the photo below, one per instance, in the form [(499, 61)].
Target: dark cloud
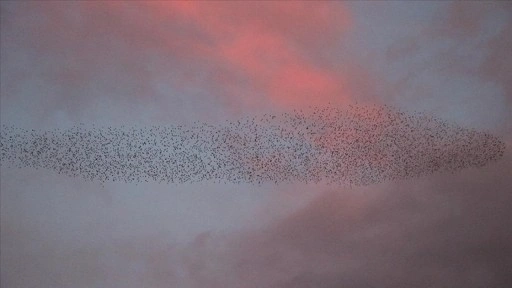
[(438, 231), (442, 231), (446, 231)]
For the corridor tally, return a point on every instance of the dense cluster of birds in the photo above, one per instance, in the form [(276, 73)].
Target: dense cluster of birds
[(356, 145)]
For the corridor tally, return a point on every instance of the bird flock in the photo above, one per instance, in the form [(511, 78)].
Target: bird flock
[(355, 145)]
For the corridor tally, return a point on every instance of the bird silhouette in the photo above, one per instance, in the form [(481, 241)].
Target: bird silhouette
[(356, 145)]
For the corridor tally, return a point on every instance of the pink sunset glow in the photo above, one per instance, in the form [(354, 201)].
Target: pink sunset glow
[(148, 64)]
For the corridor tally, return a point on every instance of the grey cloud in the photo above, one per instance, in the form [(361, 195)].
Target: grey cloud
[(439, 231), (105, 61), (458, 62), (443, 231)]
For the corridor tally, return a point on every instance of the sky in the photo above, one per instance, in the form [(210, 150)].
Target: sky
[(173, 63)]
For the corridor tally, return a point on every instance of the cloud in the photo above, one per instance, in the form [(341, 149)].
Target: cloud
[(156, 59), (497, 65), (271, 46), (442, 231), (490, 23), (153, 60), (458, 62)]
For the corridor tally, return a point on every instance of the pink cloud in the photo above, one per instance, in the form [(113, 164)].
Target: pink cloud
[(237, 55), (267, 43)]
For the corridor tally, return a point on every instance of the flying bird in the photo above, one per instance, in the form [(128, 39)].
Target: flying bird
[(358, 145)]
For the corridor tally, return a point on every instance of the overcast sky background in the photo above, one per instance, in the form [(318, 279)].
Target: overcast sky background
[(160, 63)]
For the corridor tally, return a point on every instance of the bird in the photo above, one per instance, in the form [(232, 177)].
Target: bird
[(355, 146)]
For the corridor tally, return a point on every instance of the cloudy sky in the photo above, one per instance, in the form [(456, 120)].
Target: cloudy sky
[(161, 63)]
